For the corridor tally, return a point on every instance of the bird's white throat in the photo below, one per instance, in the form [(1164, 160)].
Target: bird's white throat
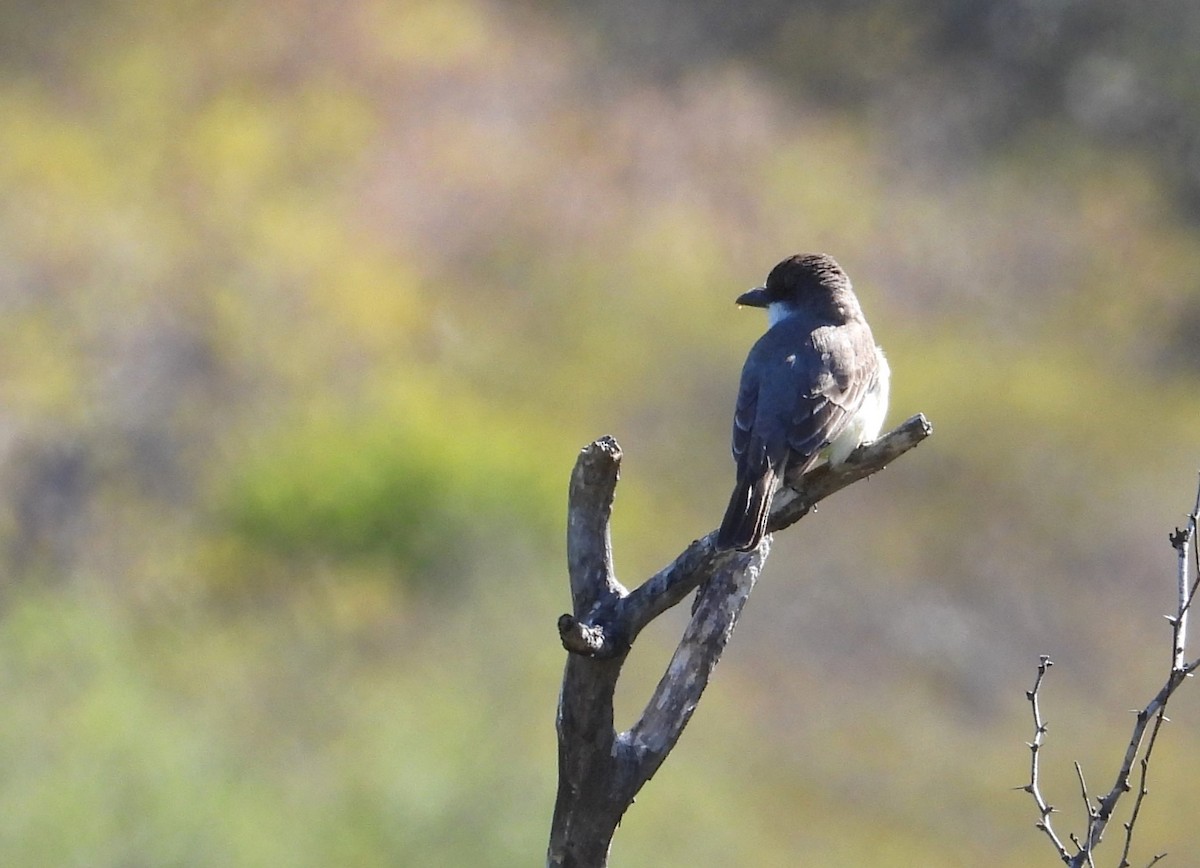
[(777, 311)]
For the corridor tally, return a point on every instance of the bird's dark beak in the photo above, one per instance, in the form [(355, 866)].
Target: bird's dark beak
[(756, 297)]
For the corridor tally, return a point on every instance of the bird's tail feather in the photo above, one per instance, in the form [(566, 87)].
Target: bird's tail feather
[(745, 520)]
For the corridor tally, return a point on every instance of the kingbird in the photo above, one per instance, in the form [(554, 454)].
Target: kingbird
[(814, 383)]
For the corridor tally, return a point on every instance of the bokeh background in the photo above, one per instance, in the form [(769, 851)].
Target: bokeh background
[(306, 308)]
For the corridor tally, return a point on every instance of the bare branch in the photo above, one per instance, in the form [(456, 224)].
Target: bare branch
[(1034, 787), (1087, 806), (1159, 719), (600, 771), (589, 544), (1181, 540), (670, 708), (796, 499), (620, 617), (1155, 710)]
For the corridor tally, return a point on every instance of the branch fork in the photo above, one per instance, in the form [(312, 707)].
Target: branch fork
[(600, 770), (1148, 722)]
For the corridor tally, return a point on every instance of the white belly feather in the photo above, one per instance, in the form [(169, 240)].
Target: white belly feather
[(868, 421)]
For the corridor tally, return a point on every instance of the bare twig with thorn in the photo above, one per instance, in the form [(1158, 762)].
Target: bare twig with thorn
[(1159, 720), (1034, 787), (1101, 812)]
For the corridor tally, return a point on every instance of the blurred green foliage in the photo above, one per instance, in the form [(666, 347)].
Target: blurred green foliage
[(305, 310), (417, 487), (258, 741)]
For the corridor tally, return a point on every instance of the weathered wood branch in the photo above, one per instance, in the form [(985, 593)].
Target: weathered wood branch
[(600, 770)]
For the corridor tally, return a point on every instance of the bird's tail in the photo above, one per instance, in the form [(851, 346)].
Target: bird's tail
[(745, 519)]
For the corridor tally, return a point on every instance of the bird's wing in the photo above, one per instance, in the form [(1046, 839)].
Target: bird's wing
[(800, 387), (838, 372), (778, 393), (743, 414)]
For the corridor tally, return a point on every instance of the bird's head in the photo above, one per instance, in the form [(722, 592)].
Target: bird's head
[(812, 282)]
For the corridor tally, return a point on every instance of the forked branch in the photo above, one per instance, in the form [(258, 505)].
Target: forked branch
[(600, 770), (1146, 727)]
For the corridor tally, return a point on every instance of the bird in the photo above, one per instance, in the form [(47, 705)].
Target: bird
[(815, 383)]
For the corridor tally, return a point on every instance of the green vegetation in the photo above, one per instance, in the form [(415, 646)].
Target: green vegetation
[(415, 487), (305, 312)]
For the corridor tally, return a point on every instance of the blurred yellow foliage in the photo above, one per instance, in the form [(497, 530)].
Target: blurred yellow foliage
[(431, 34)]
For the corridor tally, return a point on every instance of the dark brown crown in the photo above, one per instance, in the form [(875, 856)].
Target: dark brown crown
[(805, 275)]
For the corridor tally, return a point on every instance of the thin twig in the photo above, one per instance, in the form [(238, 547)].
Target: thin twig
[(1087, 805), (1181, 540), (1159, 719), (1034, 788), (1155, 710), (1156, 706)]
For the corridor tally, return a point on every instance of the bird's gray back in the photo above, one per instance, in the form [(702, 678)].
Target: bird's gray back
[(801, 381)]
